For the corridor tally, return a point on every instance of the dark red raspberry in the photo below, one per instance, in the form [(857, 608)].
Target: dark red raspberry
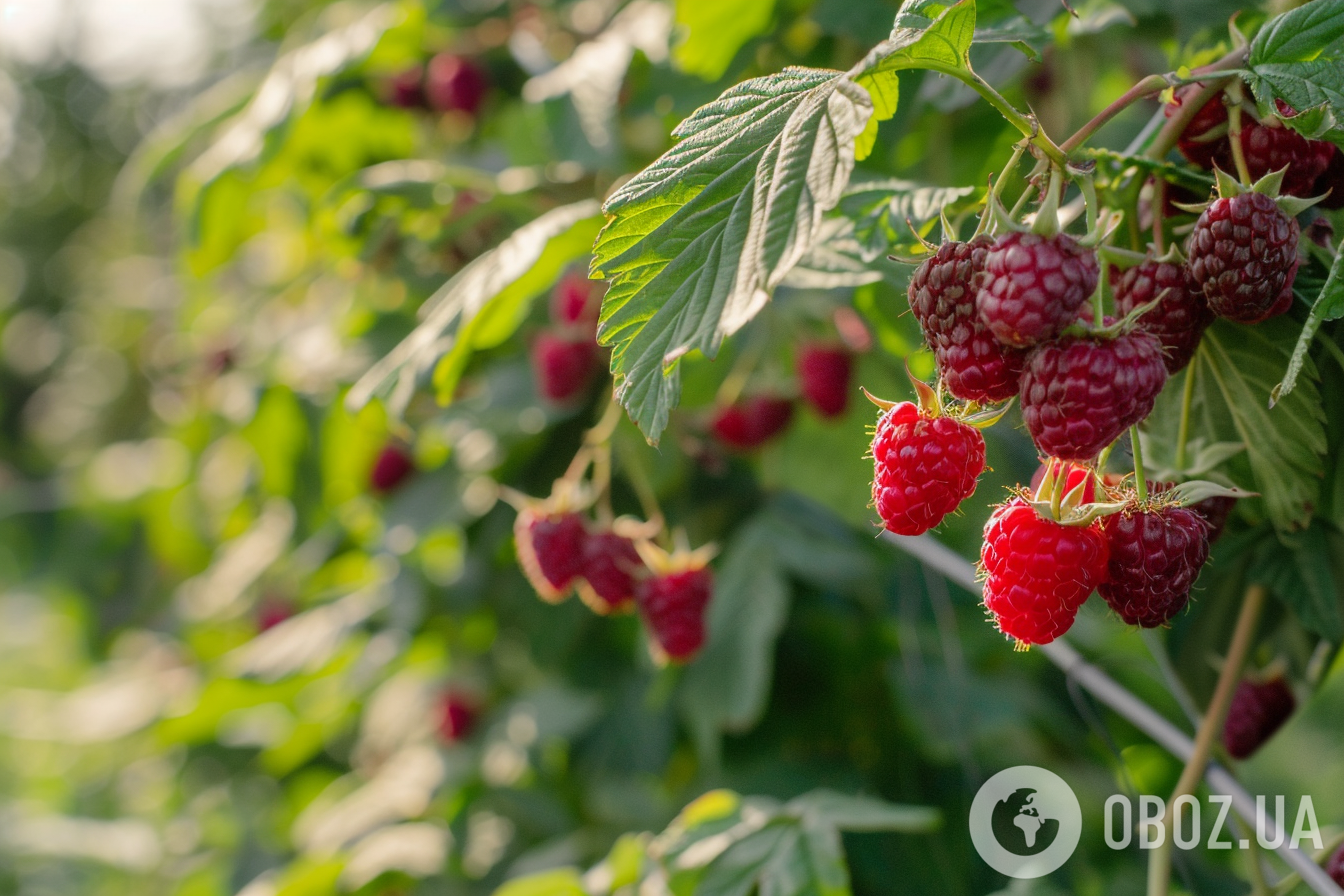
[(1033, 286), (1079, 394), (825, 372), (1269, 149), (752, 421), (1179, 319), (923, 467), (1215, 512), (1331, 183), (455, 84), (1241, 255), (1038, 572), (574, 301), (1257, 711), (1155, 557), (610, 572), (974, 366), (550, 549), (1334, 867), (406, 90), (457, 716), (1195, 142), (563, 366), (1284, 303), (673, 605), (392, 467)]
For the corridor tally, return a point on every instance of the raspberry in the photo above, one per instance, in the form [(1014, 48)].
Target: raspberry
[(1038, 572), (1257, 711), (1155, 557), (673, 605), (563, 366), (973, 364), (1179, 319), (391, 469), (610, 570), (752, 421), (1335, 866), (1241, 255), (923, 467), (1033, 286), (573, 302), (1214, 511), (1331, 183), (1212, 115), (457, 716), (1268, 149), (455, 84), (824, 374), (406, 89), (1079, 394), (550, 548), (1284, 303)]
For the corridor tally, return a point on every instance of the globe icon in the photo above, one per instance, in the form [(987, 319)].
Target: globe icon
[(1019, 826)]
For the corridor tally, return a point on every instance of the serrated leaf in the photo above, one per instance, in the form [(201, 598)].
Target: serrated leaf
[(861, 813), (883, 210), (1300, 35), (497, 285), (1303, 578), (1329, 305)]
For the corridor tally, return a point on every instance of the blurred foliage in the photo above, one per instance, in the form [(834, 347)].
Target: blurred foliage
[(225, 658)]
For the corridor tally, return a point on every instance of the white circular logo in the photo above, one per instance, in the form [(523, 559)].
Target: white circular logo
[(1025, 822)]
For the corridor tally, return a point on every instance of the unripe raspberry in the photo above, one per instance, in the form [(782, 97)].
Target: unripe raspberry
[(455, 84), (392, 467), (1033, 286), (611, 570), (1155, 557), (1038, 572), (673, 605), (825, 371), (550, 547), (1242, 255), (923, 467), (752, 421), (563, 366), (1256, 713), (1080, 393), (1179, 318)]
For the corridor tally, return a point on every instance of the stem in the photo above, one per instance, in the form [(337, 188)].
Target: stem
[(1089, 190), (1159, 206), (1140, 482), (1171, 131), (1183, 432), (1159, 866), (1234, 140), (1145, 88), (1028, 125)]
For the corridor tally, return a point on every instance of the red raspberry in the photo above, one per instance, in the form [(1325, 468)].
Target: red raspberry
[(1241, 255), (973, 364), (1180, 318), (1331, 183), (1268, 149), (825, 371), (550, 549), (1155, 557), (406, 89), (1079, 394), (455, 84), (1213, 114), (1335, 866), (457, 716), (673, 605), (391, 469), (1034, 285), (923, 467), (1038, 572), (610, 572), (752, 421), (1257, 711), (563, 366), (574, 301)]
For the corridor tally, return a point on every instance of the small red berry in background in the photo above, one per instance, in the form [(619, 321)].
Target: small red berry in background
[(550, 542), (1257, 711), (1335, 866), (611, 569), (455, 84), (563, 366), (393, 466), (825, 374), (575, 302), (457, 716), (406, 90), (752, 421), (272, 611), (673, 600)]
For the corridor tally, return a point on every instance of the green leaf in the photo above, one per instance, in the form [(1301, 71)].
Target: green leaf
[(1303, 578), (1235, 370), (883, 210), (716, 31), (861, 813), (1300, 35), (1329, 305), (485, 302), (1297, 57), (560, 882)]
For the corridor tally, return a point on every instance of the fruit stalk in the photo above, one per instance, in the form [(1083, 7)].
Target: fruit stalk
[(1141, 484), (1159, 864), (1183, 431), (1027, 124)]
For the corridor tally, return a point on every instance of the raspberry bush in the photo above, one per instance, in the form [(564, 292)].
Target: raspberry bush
[(443, 462)]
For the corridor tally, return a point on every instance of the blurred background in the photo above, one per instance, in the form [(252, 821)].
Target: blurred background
[(256, 640)]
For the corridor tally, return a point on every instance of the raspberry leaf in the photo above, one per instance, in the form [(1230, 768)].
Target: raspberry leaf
[(1329, 305), (1296, 58), (1197, 490)]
